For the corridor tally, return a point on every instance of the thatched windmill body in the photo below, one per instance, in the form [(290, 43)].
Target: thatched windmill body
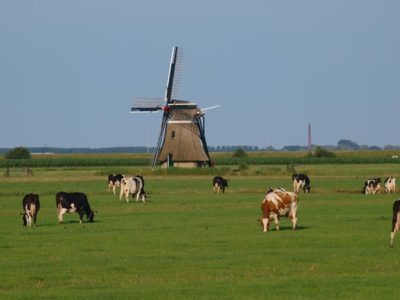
[(181, 142)]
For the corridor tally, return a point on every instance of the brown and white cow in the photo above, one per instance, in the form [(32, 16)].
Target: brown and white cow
[(276, 204), (31, 206), (371, 186), (390, 185), (395, 221)]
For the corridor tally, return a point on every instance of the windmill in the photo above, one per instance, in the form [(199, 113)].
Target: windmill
[(181, 142)]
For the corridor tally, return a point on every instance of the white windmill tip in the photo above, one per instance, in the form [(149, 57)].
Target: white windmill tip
[(211, 107)]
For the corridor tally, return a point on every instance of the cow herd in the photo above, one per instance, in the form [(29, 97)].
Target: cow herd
[(373, 186), (277, 202), (65, 203)]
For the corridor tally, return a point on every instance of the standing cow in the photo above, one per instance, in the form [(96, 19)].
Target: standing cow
[(219, 184), (134, 186), (371, 186), (390, 185), (31, 206), (301, 181), (114, 181), (73, 202), (395, 221), (276, 204)]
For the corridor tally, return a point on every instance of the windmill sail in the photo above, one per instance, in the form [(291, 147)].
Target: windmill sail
[(172, 91), (174, 75), (146, 105)]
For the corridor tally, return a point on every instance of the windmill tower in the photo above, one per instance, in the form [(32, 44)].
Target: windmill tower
[(309, 142), (181, 142)]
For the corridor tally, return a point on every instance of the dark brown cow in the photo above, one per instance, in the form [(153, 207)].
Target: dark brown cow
[(395, 221), (276, 204), (219, 184), (31, 206)]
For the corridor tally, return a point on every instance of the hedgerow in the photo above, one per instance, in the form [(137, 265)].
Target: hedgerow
[(221, 161)]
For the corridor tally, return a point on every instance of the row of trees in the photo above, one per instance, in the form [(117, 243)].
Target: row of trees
[(22, 152)]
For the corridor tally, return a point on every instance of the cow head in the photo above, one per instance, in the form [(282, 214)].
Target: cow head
[(91, 215)]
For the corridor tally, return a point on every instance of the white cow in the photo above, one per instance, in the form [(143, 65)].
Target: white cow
[(133, 186), (390, 185)]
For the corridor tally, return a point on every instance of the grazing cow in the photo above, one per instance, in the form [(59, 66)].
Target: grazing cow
[(276, 204), (134, 186), (371, 186), (114, 181), (390, 185), (74, 202), (219, 184), (31, 206), (395, 221), (301, 181)]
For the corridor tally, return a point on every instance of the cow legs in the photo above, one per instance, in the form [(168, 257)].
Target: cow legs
[(81, 212), (294, 220), (61, 211), (265, 224), (217, 188), (28, 219), (296, 187), (143, 197), (395, 228), (276, 219), (125, 193)]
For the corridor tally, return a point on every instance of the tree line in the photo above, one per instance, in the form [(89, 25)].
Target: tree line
[(342, 144)]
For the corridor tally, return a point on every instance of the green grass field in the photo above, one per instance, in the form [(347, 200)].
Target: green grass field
[(188, 243)]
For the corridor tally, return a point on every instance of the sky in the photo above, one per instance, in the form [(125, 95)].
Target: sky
[(69, 70)]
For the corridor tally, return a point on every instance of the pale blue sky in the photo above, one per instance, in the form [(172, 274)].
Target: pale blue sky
[(69, 70)]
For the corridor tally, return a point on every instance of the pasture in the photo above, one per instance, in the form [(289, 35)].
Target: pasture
[(188, 243)]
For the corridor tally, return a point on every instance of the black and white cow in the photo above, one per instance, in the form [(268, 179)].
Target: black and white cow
[(301, 181), (395, 221), (133, 186), (31, 206), (73, 202), (390, 185), (114, 181), (371, 186), (219, 184)]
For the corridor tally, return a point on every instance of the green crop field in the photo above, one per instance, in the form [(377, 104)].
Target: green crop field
[(188, 243)]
